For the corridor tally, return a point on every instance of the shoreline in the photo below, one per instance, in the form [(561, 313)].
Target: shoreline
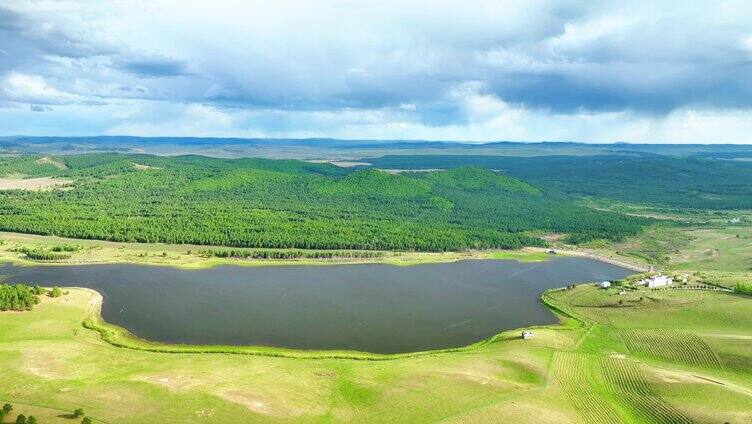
[(121, 337), (183, 256), (582, 253)]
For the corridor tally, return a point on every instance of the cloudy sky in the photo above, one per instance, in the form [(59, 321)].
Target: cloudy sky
[(472, 70)]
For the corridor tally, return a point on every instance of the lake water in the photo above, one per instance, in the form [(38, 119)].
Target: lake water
[(373, 308)]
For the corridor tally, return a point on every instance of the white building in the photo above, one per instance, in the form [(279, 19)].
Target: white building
[(656, 281), (527, 334), (605, 284)]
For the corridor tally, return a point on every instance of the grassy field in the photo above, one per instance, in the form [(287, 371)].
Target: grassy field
[(669, 356), (188, 256), (609, 364), (709, 244)]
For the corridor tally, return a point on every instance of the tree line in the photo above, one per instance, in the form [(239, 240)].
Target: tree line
[(19, 297), (288, 254)]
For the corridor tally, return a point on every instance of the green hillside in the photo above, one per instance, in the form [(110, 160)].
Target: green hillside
[(675, 182), (283, 204)]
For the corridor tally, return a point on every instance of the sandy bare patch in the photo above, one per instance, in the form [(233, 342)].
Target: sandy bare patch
[(481, 372), (43, 183), (170, 381), (49, 161), (268, 405), (251, 401), (42, 363), (141, 167)]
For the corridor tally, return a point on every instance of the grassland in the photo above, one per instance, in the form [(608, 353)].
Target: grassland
[(602, 364), (671, 356), (189, 256), (714, 245), (43, 183)]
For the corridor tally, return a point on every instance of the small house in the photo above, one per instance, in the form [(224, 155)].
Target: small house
[(659, 281), (605, 284), (527, 334)]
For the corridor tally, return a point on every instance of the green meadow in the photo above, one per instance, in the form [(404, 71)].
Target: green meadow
[(661, 356), (642, 356)]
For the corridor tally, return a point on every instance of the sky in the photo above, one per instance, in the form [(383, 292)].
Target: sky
[(472, 70)]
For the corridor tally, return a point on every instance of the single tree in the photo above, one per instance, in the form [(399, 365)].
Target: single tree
[(7, 408), (79, 412), (32, 420), (56, 292), (87, 420), (21, 419)]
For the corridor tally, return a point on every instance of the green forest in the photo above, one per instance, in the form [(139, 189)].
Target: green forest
[(19, 297), (292, 204), (664, 181)]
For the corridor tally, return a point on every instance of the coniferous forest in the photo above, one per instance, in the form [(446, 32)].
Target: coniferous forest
[(19, 297), (292, 204)]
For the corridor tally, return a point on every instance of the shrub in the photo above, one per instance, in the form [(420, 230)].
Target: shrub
[(5, 411), (56, 292), (66, 248), (742, 288), (40, 255)]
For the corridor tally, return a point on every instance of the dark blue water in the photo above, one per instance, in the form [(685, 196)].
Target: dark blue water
[(373, 308)]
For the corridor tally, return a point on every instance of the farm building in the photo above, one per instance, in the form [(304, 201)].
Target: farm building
[(527, 334), (656, 281), (605, 284)]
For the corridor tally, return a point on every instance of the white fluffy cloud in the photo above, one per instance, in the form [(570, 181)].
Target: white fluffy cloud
[(474, 71)]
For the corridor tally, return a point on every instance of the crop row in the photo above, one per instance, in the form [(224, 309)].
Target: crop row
[(571, 371), (673, 345), (626, 381)]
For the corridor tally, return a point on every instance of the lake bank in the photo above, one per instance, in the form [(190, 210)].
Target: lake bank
[(369, 307), (54, 363), (186, 256)]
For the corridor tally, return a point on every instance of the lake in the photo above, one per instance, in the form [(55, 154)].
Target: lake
[(367, 307)]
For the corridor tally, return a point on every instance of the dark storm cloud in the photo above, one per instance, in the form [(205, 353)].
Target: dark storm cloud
[(153, 67), (425, 62)]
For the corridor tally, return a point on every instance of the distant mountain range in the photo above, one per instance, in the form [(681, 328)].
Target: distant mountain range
[(335, 149)]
